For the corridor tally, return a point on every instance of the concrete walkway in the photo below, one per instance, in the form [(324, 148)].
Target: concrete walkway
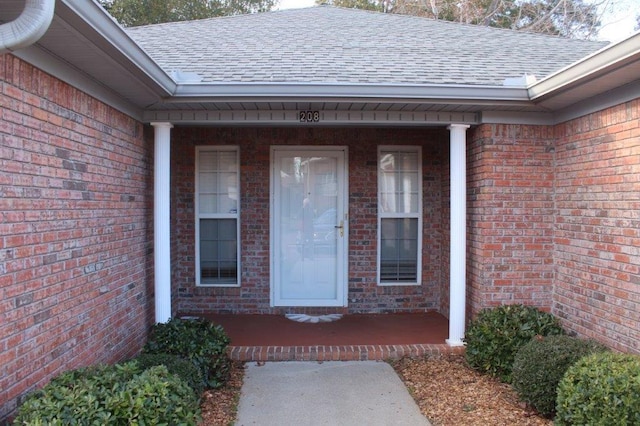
[(329, 393)]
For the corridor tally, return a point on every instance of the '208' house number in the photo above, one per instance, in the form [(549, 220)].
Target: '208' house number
[(309, 116)]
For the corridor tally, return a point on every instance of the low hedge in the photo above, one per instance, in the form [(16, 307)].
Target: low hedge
[(122, 394), (177, 365), (496, 335), (600, 390), (540, 364), (199, 341)]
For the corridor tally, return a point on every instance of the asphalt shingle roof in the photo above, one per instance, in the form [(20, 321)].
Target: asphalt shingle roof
[(335, 45)]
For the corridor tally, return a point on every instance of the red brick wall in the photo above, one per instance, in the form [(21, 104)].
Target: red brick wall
[(510, 216), (253, 296), (554, 221), (75, 265), (597, 238)]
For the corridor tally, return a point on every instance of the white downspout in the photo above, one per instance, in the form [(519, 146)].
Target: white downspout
[(27, 28)]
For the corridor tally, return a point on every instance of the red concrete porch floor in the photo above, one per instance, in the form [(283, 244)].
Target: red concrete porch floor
[(353, 337)]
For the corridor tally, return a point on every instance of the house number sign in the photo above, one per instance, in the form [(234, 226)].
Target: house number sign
[(309, 116)]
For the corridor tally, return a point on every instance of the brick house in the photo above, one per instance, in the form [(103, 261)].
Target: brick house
[(298, 161)]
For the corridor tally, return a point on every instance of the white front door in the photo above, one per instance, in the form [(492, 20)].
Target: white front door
[(309, 242)]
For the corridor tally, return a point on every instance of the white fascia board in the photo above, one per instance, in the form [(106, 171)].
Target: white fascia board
[(511, 117), (349, 92), (603, 61), (112, 36)]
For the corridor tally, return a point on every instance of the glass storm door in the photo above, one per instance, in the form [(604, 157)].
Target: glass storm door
[(308, 226)]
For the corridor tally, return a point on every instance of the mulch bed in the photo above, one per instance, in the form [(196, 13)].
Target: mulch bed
[(447, 391), (219, 406)]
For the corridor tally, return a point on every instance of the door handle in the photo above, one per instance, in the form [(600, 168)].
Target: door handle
[(341, 228)]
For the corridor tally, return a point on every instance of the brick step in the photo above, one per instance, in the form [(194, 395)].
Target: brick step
[(338, 353)]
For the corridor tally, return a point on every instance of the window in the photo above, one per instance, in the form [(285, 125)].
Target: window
[(399, 215), (217, 216)]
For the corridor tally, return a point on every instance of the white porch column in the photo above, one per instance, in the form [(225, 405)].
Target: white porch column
[(458, 249), (161, 221)]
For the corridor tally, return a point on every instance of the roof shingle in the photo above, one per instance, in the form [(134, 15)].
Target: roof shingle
[(334, 45)]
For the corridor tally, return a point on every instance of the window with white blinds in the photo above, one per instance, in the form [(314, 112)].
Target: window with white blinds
[(217, 216), (399, 215)]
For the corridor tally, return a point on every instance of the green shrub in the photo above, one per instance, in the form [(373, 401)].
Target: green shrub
[(177, 365), (495, 336), (199, 341), (122, 394), (600, 389), (540, 364)]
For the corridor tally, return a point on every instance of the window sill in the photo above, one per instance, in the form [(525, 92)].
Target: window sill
[(398, 284), (217, 285)]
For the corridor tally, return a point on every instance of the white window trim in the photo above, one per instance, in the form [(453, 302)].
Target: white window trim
[(198, 216), (417, 215)]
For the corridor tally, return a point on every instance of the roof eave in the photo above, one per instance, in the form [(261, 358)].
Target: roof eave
[(89, 18), (604, 62)]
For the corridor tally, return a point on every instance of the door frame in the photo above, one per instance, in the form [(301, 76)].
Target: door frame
[(342, 245)]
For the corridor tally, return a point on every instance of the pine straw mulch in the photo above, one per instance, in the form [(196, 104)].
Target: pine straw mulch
[(447, 391), (219, 406)]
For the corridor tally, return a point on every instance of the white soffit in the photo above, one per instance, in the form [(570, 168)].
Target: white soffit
[(608, 99)]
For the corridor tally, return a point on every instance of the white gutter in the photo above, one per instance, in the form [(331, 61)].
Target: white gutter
[(287, 92), (27, 28)]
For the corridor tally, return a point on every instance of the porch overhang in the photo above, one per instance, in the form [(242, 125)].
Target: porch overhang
[(335, 104)]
